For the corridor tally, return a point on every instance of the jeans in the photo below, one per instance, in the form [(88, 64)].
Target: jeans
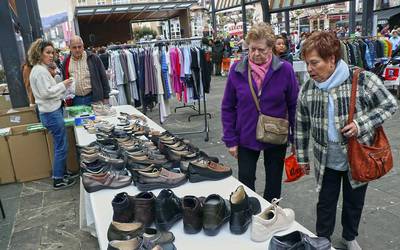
[(54, 122), (353, 203), (82, 100), (273, 164)]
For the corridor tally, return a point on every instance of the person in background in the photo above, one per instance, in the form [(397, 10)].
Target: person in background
[(217, 54), (275, 82), (57, 58), (395, 40), (281, 50), (48, 94), (91, 83), (322, 113), (26, 71)]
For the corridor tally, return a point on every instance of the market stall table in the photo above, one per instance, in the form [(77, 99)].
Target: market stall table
[(96, 211)]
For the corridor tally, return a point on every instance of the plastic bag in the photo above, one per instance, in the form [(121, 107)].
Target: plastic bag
[(292, 169)]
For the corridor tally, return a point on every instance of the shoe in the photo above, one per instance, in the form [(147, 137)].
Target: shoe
[(200, 170), (295, 239), (132, 244), (159, 179), (147, 159), (124, 231), (352, 244), (143, 207), (70, 175), (152, 238), (109, 180), (100, 109), (63, 183), (192, 214), (168, 210), (273, 219), (216, 213), (123, 207), (242, 209)]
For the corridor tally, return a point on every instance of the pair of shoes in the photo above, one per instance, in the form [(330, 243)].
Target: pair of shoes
[(351, 244), (101, 109), (139, 208), (159, 179), (242, 210), (273, 219), (201, 170), (108, 180), (63, 183)]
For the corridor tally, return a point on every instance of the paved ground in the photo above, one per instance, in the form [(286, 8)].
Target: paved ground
[(39, 218)]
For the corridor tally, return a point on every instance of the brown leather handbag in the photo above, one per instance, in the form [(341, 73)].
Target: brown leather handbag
[(367, 162)]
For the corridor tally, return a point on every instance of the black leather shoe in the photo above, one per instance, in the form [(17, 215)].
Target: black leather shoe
[(242, 210), (216, 213), (192, 214), (123, 206), (124, 231), (168, 210)]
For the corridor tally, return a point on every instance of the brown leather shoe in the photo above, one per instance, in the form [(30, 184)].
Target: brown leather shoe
[(192, 214), (159, 179), (144, 207), (201, 170), (109, 180)]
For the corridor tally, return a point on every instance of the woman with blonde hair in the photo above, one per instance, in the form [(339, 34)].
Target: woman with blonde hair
[(259, 84), (48, 96)]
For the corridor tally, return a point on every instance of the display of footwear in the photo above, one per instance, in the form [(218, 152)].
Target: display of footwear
[(242, 210), (168, 210), (123, 207), (159, 179), (144, 203), (201, 170), (295, 239), (351, 244), (124, 231), (273, 219), (147, 159), (152, 238), (216, 213), (192, 214), (109, 180), (63, 183), (132, 244), (101, 109)]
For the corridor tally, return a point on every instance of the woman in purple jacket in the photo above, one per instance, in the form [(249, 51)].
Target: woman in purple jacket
[(274, 81)]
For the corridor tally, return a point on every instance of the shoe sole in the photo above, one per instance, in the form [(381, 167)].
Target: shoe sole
[(198, 178), (190, 230), (152, 186), (272, 233), (97, 188), (239, 229), (64, 187)]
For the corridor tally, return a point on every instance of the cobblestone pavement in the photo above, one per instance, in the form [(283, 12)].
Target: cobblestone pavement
[(40, 218)]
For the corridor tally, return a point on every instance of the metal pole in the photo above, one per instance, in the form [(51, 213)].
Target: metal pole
[(352, 17), (266, 13), (214, 19), (23, 16), (367, 17), (37, 15), (287, 22), (10, 57), (244, 18)]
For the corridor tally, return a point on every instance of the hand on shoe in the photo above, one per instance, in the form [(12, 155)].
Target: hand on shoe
[(233, 151), (305, 168)]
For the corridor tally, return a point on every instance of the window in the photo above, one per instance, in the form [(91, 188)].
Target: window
[(100, 2), (120, 1), (81, 2)]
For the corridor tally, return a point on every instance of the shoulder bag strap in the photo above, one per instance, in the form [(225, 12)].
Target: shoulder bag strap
[(353, 96), (253, 93)]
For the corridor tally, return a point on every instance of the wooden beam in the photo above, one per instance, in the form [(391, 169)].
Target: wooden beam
[(122, 16)]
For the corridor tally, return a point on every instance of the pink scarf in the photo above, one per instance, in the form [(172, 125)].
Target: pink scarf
[(258, 72)]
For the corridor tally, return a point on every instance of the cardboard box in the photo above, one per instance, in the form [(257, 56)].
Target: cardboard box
[(5, 103), (6, 170), (29, 154), (72, 158), (18, 116)]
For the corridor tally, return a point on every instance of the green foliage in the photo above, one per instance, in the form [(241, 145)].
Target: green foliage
[(141, 32)]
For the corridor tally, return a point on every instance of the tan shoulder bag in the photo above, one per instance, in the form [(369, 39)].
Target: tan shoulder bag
[(269, 129)]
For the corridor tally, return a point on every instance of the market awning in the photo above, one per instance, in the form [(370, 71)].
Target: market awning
[(152, 11), (275, 5)]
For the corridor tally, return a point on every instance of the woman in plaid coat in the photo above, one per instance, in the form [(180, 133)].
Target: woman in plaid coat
[(322, 113)]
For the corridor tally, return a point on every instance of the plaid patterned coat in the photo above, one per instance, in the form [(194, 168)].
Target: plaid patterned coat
[(374, 105)]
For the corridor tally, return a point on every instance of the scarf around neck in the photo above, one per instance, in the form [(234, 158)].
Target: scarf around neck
[(258, 72)]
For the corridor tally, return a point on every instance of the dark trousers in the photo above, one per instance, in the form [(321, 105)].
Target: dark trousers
[(353, 203), (273, 163)]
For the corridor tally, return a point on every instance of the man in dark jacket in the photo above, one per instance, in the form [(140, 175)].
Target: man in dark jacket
[(87, 70), (217, 53)]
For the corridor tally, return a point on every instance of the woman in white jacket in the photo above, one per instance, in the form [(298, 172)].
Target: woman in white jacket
[(48, 95)]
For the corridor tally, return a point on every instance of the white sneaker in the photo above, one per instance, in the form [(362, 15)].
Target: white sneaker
[(351, 245), (273, 219)]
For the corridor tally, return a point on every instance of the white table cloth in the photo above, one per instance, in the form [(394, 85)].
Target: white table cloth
[(96, 211)]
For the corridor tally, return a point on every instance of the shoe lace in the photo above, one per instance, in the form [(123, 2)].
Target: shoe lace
[(275, 201)]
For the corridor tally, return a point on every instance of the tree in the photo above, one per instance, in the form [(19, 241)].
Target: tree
[(139, 33)]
